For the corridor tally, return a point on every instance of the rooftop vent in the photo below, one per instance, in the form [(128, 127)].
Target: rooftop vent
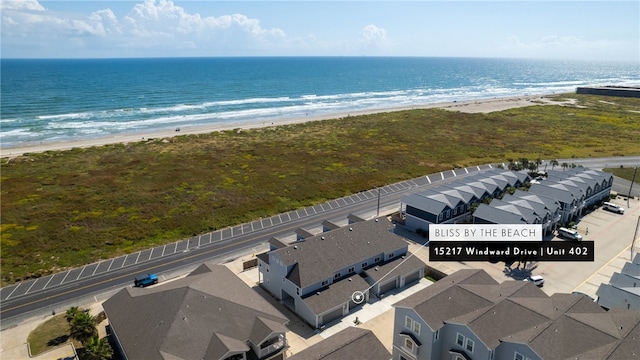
[(349, 279), (350, 229), (318, 293), (295, 246)]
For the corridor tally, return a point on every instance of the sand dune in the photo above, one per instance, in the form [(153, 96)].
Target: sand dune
[(472, 106)]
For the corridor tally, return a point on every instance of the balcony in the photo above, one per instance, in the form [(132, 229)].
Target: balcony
[(272, 346)]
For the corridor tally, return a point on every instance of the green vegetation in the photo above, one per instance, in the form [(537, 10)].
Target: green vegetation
[(75, 325), (61, 209), (49, 335), (625, 173)]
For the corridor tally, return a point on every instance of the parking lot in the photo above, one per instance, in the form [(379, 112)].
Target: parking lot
[(612, 235)]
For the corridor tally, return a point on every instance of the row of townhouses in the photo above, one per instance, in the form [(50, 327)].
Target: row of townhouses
[(212, 314), (623, 289), (469, 315), (559, 197)]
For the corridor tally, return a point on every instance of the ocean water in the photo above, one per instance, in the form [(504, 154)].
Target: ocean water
[(44, 101)]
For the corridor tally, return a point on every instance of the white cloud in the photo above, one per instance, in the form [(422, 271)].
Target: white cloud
[(372, 34), (158, 24), (32, 5)]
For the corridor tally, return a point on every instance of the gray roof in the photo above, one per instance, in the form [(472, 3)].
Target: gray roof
[(336, 294), (549, 203), (351, 343), (497, 216), (426, 204), (399, 266), (468, 192), (552, 192), (538, 208), (623, 290), (319, 257), (204, 315), (528, 214), (561, 326)]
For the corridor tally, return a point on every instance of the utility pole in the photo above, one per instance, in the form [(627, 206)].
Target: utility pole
[(213, 217), (635, 233), (378, 209), (631, 186)]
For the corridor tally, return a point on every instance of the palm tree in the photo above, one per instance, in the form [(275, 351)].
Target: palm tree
[(97, 349), (554, 163), (71, 313), (564, 165), (83, 327)]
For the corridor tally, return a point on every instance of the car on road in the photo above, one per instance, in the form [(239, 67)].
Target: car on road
[(145, 280), (613, 207), (537, 280)]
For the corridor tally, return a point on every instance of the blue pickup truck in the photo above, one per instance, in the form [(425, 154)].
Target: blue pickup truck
[(145, 280)]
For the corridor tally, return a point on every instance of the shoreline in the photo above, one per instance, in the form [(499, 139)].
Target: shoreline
[(469, 106)]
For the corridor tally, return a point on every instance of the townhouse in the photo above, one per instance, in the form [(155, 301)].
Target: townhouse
[(209, 314), (469, 315), (325, 276)]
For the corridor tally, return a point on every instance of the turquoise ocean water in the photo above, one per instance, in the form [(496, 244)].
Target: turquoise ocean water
[(46, 101)]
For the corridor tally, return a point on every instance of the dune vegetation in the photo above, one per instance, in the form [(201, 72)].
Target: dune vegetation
[(61, 209)]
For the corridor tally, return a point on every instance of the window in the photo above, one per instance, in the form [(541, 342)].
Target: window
[(408, 344), (325, 283), (447, 214), (298, 290), (352, 270), (469, 346), (390, 256), (408, 322), (440, 217), (412, 325), (455, 211), (416, 327), (436, 336), (364, 264), (460, 339), (377, 259), (518, 356), (337, 275)]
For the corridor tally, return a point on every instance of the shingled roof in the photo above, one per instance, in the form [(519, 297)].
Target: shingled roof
[(351, 343), (560, 326), (202, 316), (319, 257)]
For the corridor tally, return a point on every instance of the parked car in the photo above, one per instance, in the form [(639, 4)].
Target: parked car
[(145, 280), (570, 234), (613, 207), (537, 280)]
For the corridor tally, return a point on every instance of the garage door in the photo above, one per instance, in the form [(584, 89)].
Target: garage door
[(411, 278), (333, 315), (388, 286)]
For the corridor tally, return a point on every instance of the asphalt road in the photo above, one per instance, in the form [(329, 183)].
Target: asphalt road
[(38, 296)]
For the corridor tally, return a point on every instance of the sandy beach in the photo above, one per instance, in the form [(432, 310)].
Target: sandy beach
[(471, 106)]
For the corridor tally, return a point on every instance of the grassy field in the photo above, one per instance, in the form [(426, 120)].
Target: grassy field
[(626, 173), (49, 335), (61, 209)]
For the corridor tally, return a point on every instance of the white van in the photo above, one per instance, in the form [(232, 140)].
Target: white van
[(613, 207), (569, 234)]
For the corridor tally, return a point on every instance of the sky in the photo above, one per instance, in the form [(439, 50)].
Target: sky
[(571, 30)]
